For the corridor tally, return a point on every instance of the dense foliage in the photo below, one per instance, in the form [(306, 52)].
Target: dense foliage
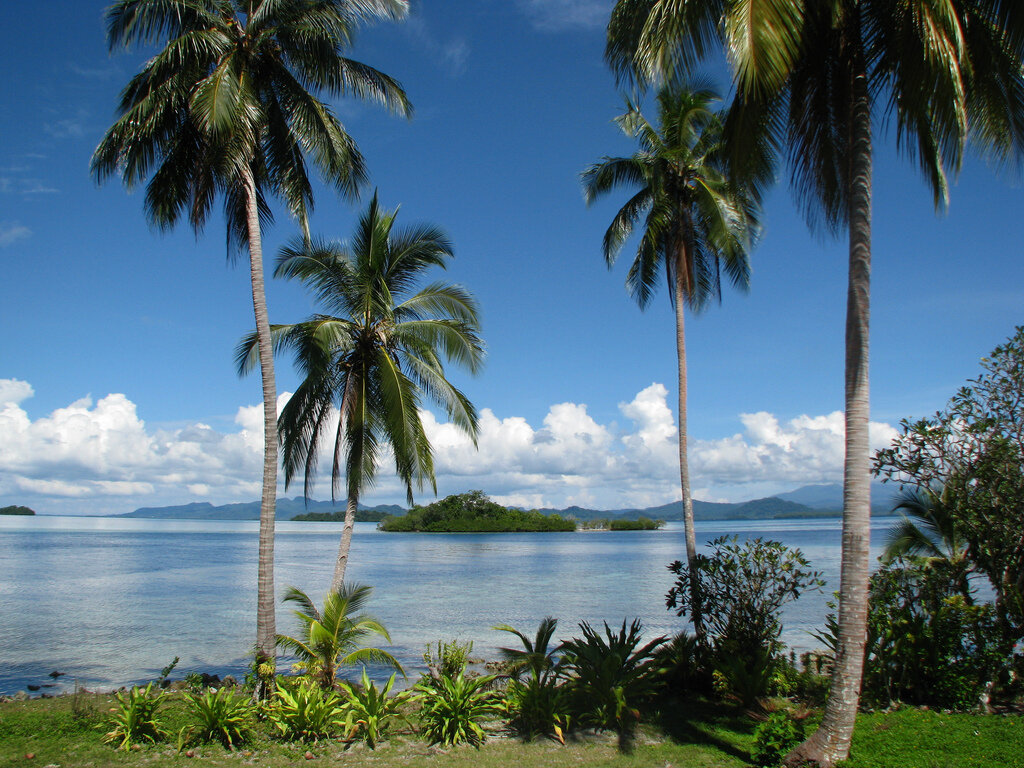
[(474, 512), (15, 509), (742, 588), (971, 456), (361, 516)]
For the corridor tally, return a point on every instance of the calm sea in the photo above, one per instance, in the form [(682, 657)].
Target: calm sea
[(110, 601)]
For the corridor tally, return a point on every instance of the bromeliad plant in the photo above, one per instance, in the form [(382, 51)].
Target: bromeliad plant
[(452, 708), (610, 676), (306, 713), (332, 637), (135, 720), (370, 711), (221, 716), (534, 702)]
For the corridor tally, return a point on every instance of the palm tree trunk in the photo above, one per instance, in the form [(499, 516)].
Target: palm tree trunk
[(831, 742), (346, 543), (266, 630), (696, 612)]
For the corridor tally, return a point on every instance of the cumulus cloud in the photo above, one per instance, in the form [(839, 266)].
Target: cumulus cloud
[(557, 15), (101, 456)]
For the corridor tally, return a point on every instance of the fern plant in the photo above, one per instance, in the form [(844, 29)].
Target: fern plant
[(221, 716), (452, 708), (306, 713), (135, 720), (370, 711)]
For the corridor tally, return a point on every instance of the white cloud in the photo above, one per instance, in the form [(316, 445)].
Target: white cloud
[(556, 15), (11, 232), (99, 456)]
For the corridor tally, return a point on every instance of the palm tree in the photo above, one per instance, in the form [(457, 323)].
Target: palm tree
[(928, 529), (370, 364), (810, 77), (227, 109), (537, 654), (696, 224), (334, 637)]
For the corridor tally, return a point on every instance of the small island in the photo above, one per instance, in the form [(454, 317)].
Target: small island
[(16, 510), (474, 512)]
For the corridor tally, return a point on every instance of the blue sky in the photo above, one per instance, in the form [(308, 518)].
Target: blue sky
[(117, 387)]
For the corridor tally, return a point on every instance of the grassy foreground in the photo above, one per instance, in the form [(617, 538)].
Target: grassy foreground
[(66, 731)]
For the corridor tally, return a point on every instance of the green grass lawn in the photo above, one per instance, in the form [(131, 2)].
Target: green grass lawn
[(67, 732)]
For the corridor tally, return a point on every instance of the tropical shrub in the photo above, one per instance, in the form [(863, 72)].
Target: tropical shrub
[(684, 665), (970, 457), (742, 588), (610, 677), (334, 636), (370, 712), (307, 712), (135, 720), (774, 738), (538, 706), (451, 708), (447, 659), (927, 642), (221, 716), (534, 702)]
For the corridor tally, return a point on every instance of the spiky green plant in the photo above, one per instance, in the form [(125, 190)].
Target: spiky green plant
[(451, 708), (220, 716), (307, 712), (370, 711), (135, 720)]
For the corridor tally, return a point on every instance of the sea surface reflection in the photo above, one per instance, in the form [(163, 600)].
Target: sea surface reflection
[(109, 601)]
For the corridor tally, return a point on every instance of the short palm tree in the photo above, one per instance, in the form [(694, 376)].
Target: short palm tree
[(370, 363), (227, 109), (811, 77), (697, 224), (334, 637), (537, 656), (928, 529)]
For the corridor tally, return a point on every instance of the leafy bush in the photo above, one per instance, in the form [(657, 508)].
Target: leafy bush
[(927, 644), (369, 711), (222, 716), (306, 713), (774, 738), (452, 708), (684, 665), (135, 720), (742, 589), (610, 677)]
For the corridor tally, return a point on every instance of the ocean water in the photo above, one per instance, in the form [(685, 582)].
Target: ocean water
[(110, 601)]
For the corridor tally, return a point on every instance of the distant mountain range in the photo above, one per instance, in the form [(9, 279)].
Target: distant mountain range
[(286, 510), (808, 501)]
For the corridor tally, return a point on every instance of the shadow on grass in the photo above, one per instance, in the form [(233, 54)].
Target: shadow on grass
[(699, 721)]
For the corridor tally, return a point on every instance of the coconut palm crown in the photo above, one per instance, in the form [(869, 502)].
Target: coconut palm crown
[(373, 358), (696, 224), (335, 636), (227, 109)]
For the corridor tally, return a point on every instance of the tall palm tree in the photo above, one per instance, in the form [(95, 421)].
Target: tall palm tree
[(370, 365), (810, 79), (697, 224), (334, 637), (227, 108)]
